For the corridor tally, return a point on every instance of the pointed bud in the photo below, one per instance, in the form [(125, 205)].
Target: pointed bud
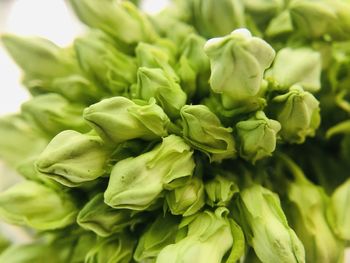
[(118, 248), (257, 137), (160, 168), (120, 19), (193, 66), (202, 230), (72, 158), (315, 19), (37, 206), (299, 114), (212, 19), (50, 60), (52, 113), (339, 213), (19, 140), (104, 220), (205, 132), (238, 62), (307, 214), (109, 68), (77, 88), (220, 191), (119, 119), (159, 234), (188, 199), (154, 82), (296, 66), (267, 228), (152, 56)]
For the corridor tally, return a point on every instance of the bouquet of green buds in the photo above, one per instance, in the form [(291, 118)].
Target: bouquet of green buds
[(214, 131)]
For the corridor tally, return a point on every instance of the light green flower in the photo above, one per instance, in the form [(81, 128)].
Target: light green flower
[(204, 131), (154, 82), (308, 215), (299, 114), (212, 18), (159, 234), (137, 183), (266, 7), (257, 136), (238, 62), (19, 140), (193, 66), (207, 237), (104, 220), (188, 199), (52, 113), (109, 68), (119, 119), (118, 248), (50, 60), (153, 56), (72, 158), (220, 191), (296, 66), (315, 19), (120, 19), (37, 206), (266, 227), (339, 213)]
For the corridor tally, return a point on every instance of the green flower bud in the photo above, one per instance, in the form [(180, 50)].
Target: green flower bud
[(212, 19), (50, 60), (37, 206), (119, 119), (339, 213), (136, 183), (52, 113), (77, 246), (202, 231), (193, 50), (315, 19), (152, 56), (204, 131), (159, 234), (153, 82), (108, 67), (72, 158), (214, 103), (257, 137), (299, 114), (193, 66), (238, 62), (171, 27), (120, 19), (265, 7), (220, 191), (281, 24), (307, 213), (296, 66), (118, 248), (18, 140), (77, 88), (104, 220), (267, 228), (188, 199), (29, 253)]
